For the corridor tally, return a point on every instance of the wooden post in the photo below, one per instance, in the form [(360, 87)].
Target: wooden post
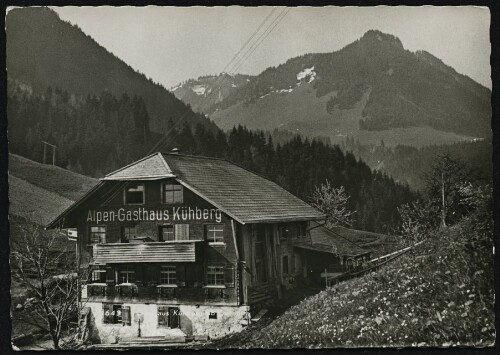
[(244, 282), (45, 144)]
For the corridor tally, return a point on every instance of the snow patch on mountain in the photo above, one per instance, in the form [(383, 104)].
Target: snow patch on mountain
[(307, 73), (199, 89)]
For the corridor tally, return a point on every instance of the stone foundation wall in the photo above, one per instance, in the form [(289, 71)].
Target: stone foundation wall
[(194, 320)]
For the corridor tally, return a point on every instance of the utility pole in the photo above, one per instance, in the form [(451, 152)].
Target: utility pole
[(443, 212), (45, 144)]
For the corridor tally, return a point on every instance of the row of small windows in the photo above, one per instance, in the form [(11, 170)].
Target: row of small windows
[(120, 314), (214, 275), (135, 194), (213, 233)]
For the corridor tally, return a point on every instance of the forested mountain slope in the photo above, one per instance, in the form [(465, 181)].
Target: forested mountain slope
[(43, 51)]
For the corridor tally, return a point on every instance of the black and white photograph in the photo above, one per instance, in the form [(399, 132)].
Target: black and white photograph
[(236, 177)]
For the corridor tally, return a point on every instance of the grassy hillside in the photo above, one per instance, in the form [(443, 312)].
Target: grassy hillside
[(42, 191), (302, 111), (37, 194), (439, 294), (371, 89), (60, 181), (34, 203)]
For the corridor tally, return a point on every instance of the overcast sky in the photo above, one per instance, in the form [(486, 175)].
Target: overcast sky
[(172, 44)]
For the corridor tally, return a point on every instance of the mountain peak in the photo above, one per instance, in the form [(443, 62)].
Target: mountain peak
[(378, 36)]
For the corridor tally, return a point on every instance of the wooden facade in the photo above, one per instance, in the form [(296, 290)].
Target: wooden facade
[(155, 241)]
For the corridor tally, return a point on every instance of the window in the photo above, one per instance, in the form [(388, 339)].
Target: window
[(98, 274), (174, 232), (134, 194), (215, 275), (97, 234), (167, 233), (302, 229), (283, 232), (168, 275), (214, 233), (172, 193), (128, 233), (284, 264), (116, 314), (127, 275)]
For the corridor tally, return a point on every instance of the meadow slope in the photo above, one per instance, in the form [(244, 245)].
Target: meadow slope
[(439, 294), (51, 178)]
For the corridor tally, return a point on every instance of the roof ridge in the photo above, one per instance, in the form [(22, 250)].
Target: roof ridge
[(195, 156)]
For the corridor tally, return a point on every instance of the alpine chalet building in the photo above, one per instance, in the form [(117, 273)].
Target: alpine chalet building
[(185, 246)]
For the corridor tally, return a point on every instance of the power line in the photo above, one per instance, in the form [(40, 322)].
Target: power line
[(229, 66), (162, 140), (254, 46), (270, 27), (263, 36)]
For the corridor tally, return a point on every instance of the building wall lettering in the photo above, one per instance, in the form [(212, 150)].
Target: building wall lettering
[(160, 215)]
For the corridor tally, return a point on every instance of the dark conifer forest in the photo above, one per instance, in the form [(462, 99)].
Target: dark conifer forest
[(95, 135)]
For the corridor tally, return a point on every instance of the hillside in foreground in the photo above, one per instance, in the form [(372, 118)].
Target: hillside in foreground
[(37, 194), (439, 294)]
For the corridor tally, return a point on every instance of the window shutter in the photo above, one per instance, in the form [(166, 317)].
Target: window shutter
[(198, 273), (110, 275), (155, 274), (139, 276), (229, 276), (205, 275), (126, 315), (182, 232), (107, 311), (181, 275)]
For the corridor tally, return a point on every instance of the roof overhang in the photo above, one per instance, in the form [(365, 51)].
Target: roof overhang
[(138, 178), (322, 248), (284, 220)]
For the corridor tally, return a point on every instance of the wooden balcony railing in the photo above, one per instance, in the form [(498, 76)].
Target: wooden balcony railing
[(164, 252), (108, 293)]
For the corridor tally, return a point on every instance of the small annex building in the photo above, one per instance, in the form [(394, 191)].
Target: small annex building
[(330, 250), (190, 244)]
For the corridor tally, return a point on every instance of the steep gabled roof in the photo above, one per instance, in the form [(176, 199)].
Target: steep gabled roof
[(241, 194), (148, 168)]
